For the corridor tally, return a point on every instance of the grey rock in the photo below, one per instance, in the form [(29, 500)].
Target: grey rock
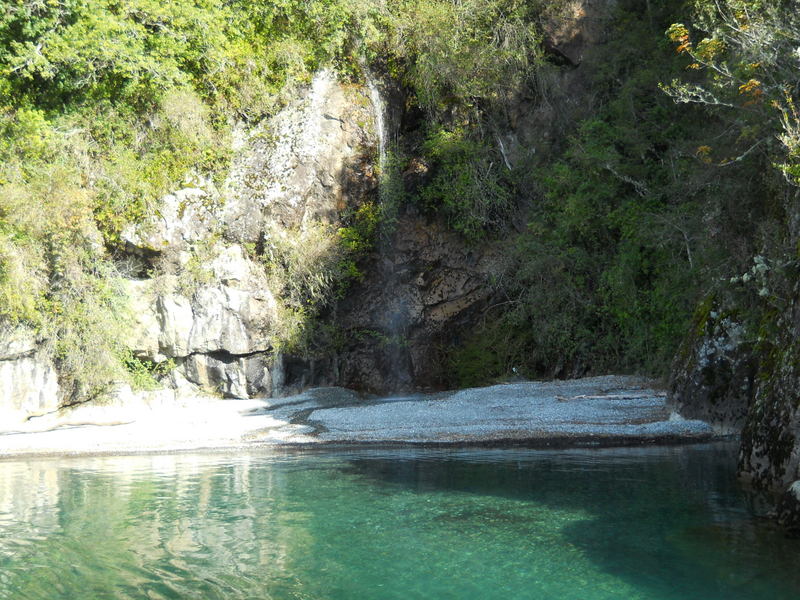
[(230, 312), (16, 341), (142, 337), (292, 170), (751, 389), (232, 268), (769, 457), (184, 217), (231, 376), (789, 508), (713, 377), (216, 318), (28, 378), (425, 288), (211, 334)]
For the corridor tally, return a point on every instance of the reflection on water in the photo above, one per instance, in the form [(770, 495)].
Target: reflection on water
[(588, 524)]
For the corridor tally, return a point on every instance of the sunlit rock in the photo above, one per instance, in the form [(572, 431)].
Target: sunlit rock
[(28, 379)]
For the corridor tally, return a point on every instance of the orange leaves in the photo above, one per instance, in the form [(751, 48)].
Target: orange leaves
[(678, 34), (753, 90), (703, 153)]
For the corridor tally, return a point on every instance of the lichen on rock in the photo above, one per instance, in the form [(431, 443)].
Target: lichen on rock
[(789, 509), (749, 389), (713, 376)]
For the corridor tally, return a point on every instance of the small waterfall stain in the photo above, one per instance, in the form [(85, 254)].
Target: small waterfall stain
[(395, 320), (380, 117)]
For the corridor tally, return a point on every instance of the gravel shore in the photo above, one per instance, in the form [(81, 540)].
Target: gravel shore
[(606, 410)]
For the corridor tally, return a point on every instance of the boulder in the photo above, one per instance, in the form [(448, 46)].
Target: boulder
[(713, 377), (750, 389), (216, 318), (219, 336), (231, 376), (28, 378), (789, 509)]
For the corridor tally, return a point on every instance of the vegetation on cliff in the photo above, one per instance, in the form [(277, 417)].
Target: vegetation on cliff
[(674, 186), (639, 207), (106, 106)]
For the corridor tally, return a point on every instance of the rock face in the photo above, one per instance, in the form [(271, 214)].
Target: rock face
[(210, 308), (713, 378), (426, 285), (769, 458), (789, 509), (416, 294), (217, 334), (28, 379), (184, 217), (752, 389), (739, 388), (294, 170), (307, 167), (200, 296)]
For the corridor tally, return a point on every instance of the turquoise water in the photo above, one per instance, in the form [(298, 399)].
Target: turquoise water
[(584, 524)]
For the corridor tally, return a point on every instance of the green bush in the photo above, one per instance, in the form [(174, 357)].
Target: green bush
[(617, 248), (106, 106), (467, 55), (144, 374), (470, 186)]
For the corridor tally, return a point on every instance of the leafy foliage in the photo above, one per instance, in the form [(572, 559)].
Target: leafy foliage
[(469, 186), (310, 268), (106, 105), (466, 55), (618, 249), (747, 62)]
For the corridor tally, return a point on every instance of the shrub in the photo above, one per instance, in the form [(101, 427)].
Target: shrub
[(470, 186)]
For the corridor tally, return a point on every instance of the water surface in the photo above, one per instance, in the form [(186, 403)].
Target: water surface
[(657, 523)]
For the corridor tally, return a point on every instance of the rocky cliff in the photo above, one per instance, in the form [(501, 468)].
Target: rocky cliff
[(207, 305), (769, 458), (739, 369), (211, 307), (417, 295), (750, 390), (28, 378), (211, 273)]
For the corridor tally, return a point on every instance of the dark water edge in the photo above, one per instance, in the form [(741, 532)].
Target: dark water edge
[(655, 522)]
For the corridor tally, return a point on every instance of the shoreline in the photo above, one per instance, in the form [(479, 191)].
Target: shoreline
[(550, 443), (585, 413)]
